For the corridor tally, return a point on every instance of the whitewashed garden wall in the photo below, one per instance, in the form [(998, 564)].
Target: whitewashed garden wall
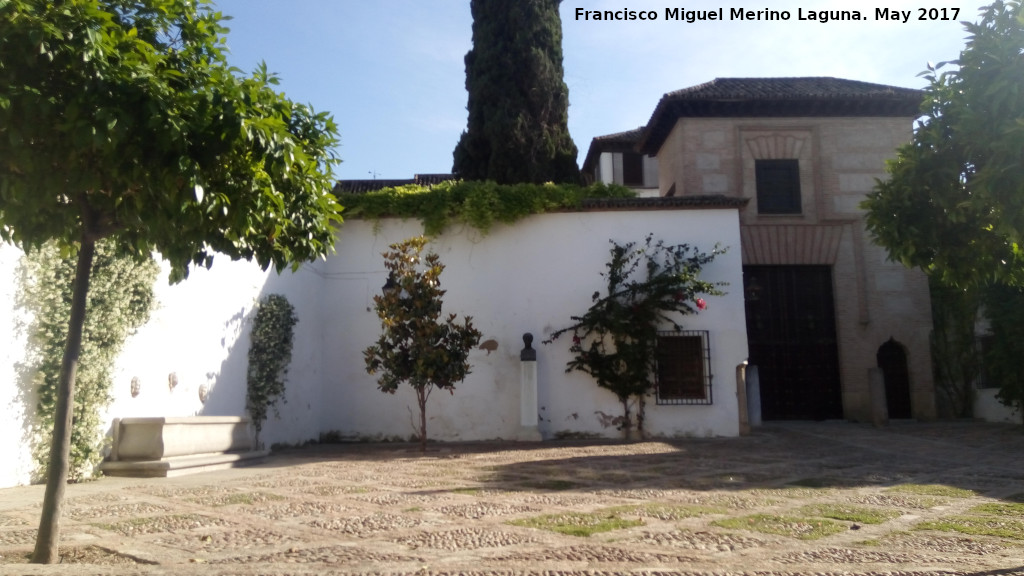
[(530, 277)]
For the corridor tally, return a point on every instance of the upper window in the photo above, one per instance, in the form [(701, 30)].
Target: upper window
[(684, 368), (632, 169), (778, 186)]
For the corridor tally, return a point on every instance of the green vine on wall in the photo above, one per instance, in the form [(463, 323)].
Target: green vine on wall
[(270, 352), (120, 300), (478, 204)]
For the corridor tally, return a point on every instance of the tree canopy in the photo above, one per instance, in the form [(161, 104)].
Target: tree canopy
[(954, 205), (518, 102), (122, 119)]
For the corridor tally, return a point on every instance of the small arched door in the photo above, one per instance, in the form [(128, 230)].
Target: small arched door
[(892, 359)]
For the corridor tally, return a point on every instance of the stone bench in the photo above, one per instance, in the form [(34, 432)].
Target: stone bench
[(161, 447)]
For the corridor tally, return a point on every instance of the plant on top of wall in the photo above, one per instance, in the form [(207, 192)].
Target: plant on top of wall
[(270, 352), (649, 286), (120, 300), (479, 204), (416, 345)]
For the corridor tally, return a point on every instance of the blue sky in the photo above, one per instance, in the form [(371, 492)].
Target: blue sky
[(391, 71)]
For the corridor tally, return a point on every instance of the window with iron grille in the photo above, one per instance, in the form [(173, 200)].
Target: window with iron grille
[(684, 368), (778, 186)]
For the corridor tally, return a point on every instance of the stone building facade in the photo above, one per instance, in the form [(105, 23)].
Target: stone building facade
[(824, 307)]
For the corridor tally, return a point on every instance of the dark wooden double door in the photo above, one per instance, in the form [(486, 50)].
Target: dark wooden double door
[(791, 335)]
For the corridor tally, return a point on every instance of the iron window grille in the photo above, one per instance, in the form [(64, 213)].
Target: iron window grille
[(778, 186), (684, 368)]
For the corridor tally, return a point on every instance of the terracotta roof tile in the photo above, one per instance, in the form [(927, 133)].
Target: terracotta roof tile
[(818, 96), (364, 186)]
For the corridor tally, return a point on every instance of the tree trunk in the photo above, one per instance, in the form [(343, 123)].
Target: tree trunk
[(57, 469), (627, 420), (421, 397), (641, 414)]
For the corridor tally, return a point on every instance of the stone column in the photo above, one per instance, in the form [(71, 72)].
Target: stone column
[(741, 398), (753, 396), (528, 391)]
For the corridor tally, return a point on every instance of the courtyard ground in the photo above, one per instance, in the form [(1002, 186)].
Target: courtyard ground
[(823, 498)]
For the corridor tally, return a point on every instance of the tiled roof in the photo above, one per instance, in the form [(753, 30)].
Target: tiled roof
[(664, 203), (363, 186), (618, 142), (777, 97), (785, 88)]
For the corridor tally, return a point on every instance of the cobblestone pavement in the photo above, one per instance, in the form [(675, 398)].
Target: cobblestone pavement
[(796, 499)]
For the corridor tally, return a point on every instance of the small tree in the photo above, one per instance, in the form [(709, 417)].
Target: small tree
[(270, 352), (415, 345), (615, 341), (123, 120), (954, 203)]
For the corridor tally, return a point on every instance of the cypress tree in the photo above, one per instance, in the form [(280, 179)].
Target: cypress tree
[(518, 102)]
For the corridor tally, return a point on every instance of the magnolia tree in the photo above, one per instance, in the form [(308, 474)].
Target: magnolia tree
[(122, 120), (650, 286), (416, 344)]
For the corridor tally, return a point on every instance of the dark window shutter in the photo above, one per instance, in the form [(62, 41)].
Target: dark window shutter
[(632, 169), (778, 186)]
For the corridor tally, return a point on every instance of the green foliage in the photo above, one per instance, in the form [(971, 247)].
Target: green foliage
[(416, 345), (649, 286), (518, 102), (119, 302), (850, 513), (270, 352), (933, 490), (581, 524), (791, 526), (479, 204), (1004, 308), (955, 356), (954, 205), (124, 119)]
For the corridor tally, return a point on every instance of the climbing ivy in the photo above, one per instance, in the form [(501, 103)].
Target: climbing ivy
[(270, 352), (649, 287), (478, 204), (120, 300)]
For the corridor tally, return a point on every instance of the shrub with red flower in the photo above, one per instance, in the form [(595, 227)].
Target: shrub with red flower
[(649, 287)]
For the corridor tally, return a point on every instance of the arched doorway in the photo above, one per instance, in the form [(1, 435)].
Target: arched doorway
[(892, 360)]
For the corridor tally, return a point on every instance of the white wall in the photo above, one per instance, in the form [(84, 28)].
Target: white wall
[(14, 454), (199, 330), (530, 277), (988, 408)]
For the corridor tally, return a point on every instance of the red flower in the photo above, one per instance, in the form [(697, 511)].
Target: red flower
[(701, 304), (576, 340)]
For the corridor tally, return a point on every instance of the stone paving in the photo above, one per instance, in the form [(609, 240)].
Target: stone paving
[(796, 499)]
